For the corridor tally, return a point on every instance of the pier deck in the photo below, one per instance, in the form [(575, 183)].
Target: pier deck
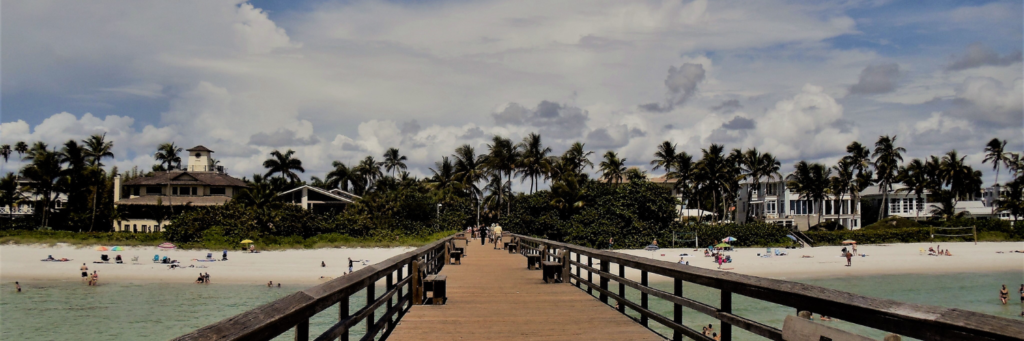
[(492, 296)]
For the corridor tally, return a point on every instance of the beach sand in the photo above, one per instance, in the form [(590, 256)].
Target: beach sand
[(880, 259), (22, 263)]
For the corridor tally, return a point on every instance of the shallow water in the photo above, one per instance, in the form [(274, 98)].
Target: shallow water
[(150, 311)]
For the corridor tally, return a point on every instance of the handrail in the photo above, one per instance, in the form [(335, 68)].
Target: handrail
[(913, 320), (293, 311)]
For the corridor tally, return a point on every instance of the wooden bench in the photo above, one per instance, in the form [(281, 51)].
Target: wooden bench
[(455, 257), (437, 285), (552, 271), (511, 247), (533, 262)]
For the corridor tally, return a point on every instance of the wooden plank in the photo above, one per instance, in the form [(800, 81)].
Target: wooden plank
[(493, 297)]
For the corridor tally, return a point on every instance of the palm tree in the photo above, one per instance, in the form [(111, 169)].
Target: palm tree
[(995, 152), (10, 194), (443, 179), (914, 177), (1012, 200), (167, 155), (502, 157), (946, 205), (21, 148), (956, 174), (260, 194), (860, 159), (340, 176), (842, 181), (393, 161), (683, 172), (811, 181), (369, 172), (887, 161), (567, 193), (612, 168), (535, 161), (576, 158), (5, 151), (1015, 164), (665, 157), (469, 170), (97, 148), (283, 165), (497, 190), (43, 171), (715, 174), (755, 165)]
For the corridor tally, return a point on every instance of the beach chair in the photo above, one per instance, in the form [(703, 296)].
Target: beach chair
[(135, 260), (209, 255), (118, 260), (156, 258), (105, 258)]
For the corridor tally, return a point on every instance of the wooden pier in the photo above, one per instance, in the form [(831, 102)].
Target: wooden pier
[(492, 296)]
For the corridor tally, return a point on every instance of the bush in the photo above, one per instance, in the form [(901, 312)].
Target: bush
[(747, 235), (875, 236), (892, 222)]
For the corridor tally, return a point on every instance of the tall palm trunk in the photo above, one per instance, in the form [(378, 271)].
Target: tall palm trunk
[(95, 194)]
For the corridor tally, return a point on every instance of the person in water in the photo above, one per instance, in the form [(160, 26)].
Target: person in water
[(85, 271), (17, 286), (1021, 293), (270, 284), (1004, 294)]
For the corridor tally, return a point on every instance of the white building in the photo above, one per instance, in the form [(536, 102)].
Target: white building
[(777, 204), (27, 207), (317, 199)]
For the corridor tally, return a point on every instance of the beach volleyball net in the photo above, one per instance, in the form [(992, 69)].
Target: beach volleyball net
[(968, 231)]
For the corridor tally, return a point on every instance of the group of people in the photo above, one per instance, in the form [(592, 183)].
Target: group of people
[(203, 278), (710, 331), (271, 284), (93, 279), (939, 252), (487, 234)]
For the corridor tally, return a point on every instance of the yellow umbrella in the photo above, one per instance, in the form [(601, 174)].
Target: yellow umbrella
[(246, 241)]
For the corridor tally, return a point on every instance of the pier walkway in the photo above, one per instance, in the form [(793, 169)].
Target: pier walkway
[(492, 296)]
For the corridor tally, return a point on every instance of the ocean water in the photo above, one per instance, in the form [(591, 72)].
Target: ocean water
[(148, 311)]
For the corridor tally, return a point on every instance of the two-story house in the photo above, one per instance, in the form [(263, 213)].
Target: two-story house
[(148, 203)]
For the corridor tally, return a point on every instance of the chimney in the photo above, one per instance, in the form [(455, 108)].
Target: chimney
[(117, 187)]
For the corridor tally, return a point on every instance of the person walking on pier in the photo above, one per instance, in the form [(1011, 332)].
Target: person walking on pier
[(483, 235)]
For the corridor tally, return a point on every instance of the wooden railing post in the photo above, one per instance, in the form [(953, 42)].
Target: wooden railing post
[(677, 311), (302, 330), (727, 308), (343, 314), (643, 297), (566, 270), (590, 275), (390, 284), (370, 297), (604, 280), (417, 283), (622, 288), (577, 269)]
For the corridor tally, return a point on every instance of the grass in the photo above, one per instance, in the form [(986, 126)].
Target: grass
[(330, 240)]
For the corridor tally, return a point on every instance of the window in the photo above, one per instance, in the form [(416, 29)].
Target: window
[(57, 203), (771, 189), (217, 191), (195, 190), (135, 191), (153, 190), (906, 205), (144, 227), (174, 191), (894, 205), (198, 154), (770, 207), (157, 228)]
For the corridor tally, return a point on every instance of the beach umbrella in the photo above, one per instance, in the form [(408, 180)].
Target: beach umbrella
[(166, 246), (728, 239), (246, 241), (723, 245), (791, 237), (117, 248), (102, 248), (849, 242)]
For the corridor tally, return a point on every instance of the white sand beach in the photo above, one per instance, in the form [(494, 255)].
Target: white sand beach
[(22, 263), (880, 259)]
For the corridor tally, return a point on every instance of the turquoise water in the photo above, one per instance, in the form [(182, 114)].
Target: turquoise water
[(127, 311)]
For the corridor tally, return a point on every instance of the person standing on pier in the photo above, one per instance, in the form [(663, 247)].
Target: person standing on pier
[(483, 235)]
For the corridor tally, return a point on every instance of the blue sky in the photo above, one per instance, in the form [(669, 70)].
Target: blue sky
[(338, 80)]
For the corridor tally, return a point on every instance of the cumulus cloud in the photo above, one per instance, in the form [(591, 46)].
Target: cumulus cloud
[(978, 55), (990, 100), (728, 106), (877, 79), (550, 118), (608, 137), (804, 126), (282, 138), (739, 123), (680, 85)]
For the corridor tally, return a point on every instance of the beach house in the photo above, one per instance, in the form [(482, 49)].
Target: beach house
[(772, 202), (26, 207), (146, 204), (318, 199)]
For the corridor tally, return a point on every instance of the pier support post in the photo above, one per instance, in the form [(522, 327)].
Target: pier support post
[(417, 283), (727, 308)]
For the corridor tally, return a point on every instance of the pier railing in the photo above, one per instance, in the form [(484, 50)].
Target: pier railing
[(401, 273), (907, 319)]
